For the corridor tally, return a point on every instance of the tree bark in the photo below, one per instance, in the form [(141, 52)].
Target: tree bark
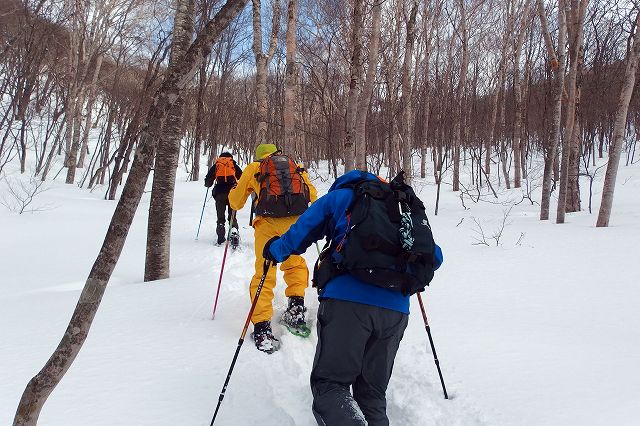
[(262, 64), (615, 149), (364, 100), (158, 253), (517, 93), (356, 71), (405, 100), (290, 108), (576, 32), (87, 121), (557, 64), (458, 131), (40, 386)]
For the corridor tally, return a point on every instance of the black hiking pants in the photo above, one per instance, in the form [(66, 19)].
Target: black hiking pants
[(222, 204), (357, 345)]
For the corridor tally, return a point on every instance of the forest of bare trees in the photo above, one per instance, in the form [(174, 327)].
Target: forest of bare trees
[(477, 93), (492, 85)]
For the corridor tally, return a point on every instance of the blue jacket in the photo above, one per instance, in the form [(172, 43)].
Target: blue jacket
[(327, 218)]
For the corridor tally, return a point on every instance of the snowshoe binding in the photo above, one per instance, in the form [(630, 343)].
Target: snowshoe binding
[(234, 238), (264, 338), (293, 318)]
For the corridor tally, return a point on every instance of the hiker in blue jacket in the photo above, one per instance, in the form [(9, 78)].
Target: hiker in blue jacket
[(360, 325)]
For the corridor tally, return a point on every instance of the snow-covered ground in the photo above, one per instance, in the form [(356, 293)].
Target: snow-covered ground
[(543, 329)]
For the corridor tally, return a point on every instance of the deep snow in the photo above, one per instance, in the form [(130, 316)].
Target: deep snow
[(541, 330)]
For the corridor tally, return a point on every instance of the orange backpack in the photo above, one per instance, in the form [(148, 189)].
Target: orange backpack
[(283, 192), (225, 169)]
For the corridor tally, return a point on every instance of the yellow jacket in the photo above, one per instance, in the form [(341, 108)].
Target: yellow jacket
[(248, 184)]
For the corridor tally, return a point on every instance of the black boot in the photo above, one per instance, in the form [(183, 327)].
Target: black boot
[(264, 338), (220, 231), (294, 317)]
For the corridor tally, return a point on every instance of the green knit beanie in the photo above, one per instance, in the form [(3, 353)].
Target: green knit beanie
[(265, 149)]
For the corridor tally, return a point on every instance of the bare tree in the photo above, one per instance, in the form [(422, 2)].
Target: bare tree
[(40, 386), (619, 129), (405, 100), (291, 115), (364, 100), (158, 253), (354, 81), (262, 64), (575, 28), (557, 64)]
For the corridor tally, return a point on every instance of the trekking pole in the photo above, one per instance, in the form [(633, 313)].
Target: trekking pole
[(224, 259), (241, 341), (433, 349), (206, 195)]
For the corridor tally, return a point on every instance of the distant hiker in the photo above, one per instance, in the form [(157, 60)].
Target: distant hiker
[(379, 251), (224, 174), (283, 193)]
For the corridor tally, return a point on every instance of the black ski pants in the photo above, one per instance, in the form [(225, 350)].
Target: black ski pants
[(222, 204), (357, 345)]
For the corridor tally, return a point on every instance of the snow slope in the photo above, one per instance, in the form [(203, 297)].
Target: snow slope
[(541, 330)]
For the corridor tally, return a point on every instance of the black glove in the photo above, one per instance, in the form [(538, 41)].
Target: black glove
[(266, 253)]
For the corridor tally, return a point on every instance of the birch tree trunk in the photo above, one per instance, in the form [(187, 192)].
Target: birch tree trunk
[(405, 100), (427, 67), (356, 70), (620, 125), (458, 131), (158, 253), (42, 384), (262, 64), (90, 102), (576, 32), (290, 107), (557, 63), (364, 100), (517, 93), (200, 123)]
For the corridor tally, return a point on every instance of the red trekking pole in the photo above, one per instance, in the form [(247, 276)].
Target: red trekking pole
[(241, 341), (433, 349), (224, 258)]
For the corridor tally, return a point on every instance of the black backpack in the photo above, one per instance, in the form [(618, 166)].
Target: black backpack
[(388, 241)]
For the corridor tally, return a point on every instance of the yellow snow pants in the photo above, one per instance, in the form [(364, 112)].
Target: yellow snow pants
[(296, 273)]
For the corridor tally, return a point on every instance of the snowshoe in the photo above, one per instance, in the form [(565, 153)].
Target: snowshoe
[(293, 318), (234, 238), (264, 338)]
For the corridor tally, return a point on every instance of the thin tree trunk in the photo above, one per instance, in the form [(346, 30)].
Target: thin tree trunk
[(40, 386), (458, 131), (405, 100), (615, 149), (364, 100), (200, 123), (290, 107), (576, 31), (262, 63), (356, 71), (87, 122), (557, 63)]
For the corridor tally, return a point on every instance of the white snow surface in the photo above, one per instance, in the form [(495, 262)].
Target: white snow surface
[(542, 329)]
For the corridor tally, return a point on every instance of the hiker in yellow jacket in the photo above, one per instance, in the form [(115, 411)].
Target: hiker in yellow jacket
[(273, 220)]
